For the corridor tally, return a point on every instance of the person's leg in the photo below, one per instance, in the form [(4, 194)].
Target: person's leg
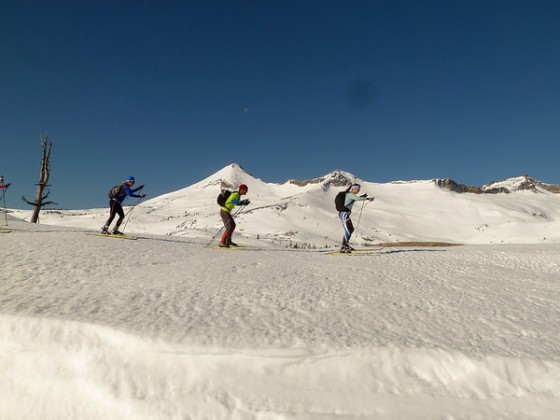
[(119, 210), (229, 225), (112, 214), (348, 228)]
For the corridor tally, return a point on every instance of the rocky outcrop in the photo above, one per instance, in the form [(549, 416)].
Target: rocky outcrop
[(451, 185), (520, 183), (336, 178), (524, 183)]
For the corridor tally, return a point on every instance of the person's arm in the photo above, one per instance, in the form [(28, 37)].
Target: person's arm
[(350, 197), (130, 192), (362, 197)]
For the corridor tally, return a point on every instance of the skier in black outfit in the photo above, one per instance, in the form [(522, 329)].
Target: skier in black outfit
[(117, 196)]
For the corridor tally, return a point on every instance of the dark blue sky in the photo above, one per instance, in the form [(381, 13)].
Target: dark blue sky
[(172, 91)]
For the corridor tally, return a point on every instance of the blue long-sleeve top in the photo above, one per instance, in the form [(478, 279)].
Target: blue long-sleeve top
[(125, 191)]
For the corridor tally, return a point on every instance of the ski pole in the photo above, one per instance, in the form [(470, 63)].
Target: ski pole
[(5, 209), (239, 210), (333, 231), (129, 213), (360, 216)]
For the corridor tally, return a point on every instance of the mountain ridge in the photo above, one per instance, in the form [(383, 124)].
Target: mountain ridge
[(234, 174), (508, 185), (303, 211)]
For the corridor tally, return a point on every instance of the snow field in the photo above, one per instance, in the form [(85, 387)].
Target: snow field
[(74, 370), (94, 327)]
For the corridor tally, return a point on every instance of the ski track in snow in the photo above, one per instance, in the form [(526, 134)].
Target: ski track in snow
[(170, 329)]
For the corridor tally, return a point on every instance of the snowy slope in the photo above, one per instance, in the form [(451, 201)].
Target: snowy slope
[(303, 212), (164, 328)]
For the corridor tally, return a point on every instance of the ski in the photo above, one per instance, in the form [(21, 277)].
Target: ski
[(110, 235), (237, 248), (352, 254), (356, 251)]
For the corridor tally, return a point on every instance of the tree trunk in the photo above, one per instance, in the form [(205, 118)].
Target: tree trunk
[(43, 182)]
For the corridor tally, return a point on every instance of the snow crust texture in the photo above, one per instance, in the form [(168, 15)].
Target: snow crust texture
[(165, 328)]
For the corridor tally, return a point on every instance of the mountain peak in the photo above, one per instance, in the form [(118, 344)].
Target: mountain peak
[(233, 169), (228, 177), (509, 185), (522, 183), (336, 178)]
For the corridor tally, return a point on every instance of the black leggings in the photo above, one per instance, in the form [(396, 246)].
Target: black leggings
[(116, 208)]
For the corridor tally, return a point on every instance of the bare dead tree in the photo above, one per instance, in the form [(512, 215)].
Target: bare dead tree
[(41, 196)]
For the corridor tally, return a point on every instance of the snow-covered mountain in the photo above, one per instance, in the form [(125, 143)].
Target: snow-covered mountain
[(303, 211)]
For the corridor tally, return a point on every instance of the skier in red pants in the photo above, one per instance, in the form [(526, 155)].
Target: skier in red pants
[(225, 212), (2, 185)]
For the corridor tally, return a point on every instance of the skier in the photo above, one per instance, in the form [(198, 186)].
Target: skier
[(2, 185), (225, 212), (117, 196), (350, 198), (4, 188)]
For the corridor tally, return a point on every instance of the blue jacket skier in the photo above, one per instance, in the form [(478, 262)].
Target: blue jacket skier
[(116, 196)]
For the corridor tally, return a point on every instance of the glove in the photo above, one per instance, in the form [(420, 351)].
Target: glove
[(140, 187), (8, 185), (371, 198), (244, 202)]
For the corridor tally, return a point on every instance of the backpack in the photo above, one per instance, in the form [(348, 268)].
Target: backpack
[(114, 191), (339, 200), (222, 197)]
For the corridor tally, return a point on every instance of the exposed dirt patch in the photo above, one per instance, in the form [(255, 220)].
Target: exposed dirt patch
[(414, 244)]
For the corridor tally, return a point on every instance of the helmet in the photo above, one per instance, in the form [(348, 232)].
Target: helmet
[(130, 179), (243, 187)]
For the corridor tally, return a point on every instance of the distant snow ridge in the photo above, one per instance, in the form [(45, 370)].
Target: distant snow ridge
[(523, 183), (337, 178), (520, 183)]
